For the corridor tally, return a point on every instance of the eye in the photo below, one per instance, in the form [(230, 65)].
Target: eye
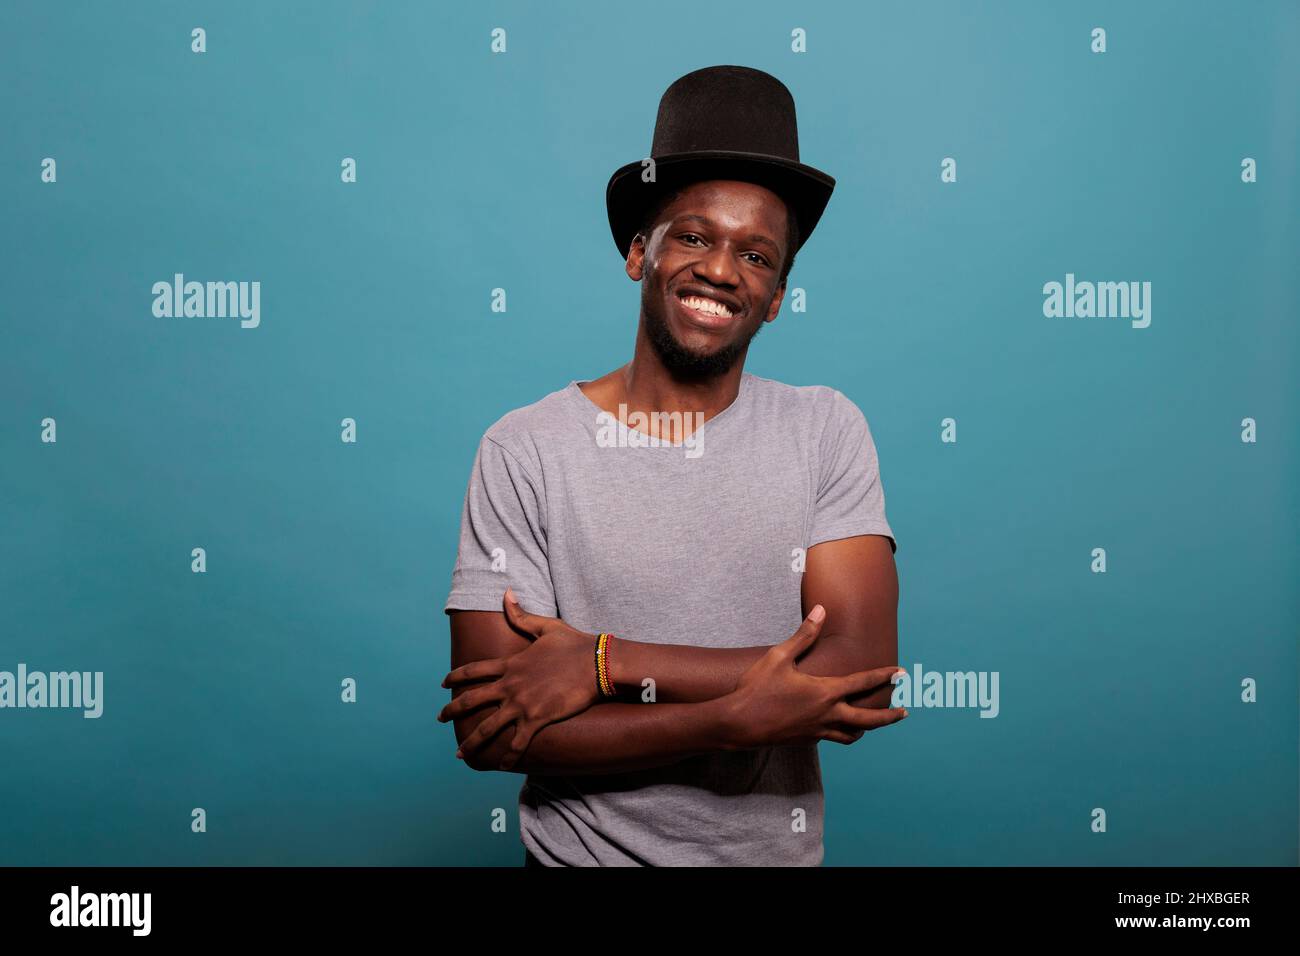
[(762, 259)]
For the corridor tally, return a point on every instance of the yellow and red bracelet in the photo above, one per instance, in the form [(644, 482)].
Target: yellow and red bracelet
[(600, 677), (602, 666)]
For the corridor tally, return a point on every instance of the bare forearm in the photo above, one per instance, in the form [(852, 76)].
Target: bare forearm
[(612, 737), (681, 673), (686, 674)]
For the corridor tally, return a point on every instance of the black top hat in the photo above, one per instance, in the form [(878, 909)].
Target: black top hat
[(721, 122)]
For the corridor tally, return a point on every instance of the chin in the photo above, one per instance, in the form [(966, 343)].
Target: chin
[(688, 363)]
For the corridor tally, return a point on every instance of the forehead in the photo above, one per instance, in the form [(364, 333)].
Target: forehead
[(728, 199)]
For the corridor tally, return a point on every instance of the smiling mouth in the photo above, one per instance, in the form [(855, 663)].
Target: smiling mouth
[(705, 311)]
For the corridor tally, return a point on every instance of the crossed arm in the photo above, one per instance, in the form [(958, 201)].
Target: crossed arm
[(708, 699)]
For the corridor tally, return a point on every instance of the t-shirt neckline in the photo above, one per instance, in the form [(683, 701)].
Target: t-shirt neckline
[(585, 401)]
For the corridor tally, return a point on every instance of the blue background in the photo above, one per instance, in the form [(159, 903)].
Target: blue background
[(328, 560)]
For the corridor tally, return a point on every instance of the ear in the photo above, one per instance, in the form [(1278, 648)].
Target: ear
[(635, 265), (775, 307)]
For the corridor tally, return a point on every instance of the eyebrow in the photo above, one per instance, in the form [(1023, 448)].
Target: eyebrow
[(753, 237)]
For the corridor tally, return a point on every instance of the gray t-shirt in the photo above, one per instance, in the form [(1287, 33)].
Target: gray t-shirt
[(691, 543)]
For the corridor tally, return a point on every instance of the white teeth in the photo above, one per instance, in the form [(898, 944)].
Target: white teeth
[(701, 304)]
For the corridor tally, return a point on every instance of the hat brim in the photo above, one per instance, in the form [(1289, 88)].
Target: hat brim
[(628, 198)]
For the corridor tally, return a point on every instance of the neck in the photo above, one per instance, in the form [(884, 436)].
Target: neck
[(645, 384)]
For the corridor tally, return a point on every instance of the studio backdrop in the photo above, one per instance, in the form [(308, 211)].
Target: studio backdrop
[(1058, 274)]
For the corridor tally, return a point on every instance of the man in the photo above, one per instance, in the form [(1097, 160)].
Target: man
[(728, 530)]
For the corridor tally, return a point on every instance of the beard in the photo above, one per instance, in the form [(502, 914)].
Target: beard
[(686, 364)]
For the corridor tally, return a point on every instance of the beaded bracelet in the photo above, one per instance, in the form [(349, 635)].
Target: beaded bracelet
[(603, 680)]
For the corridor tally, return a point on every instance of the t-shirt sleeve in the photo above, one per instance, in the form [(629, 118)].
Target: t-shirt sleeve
[(850, 496), (502, 537)]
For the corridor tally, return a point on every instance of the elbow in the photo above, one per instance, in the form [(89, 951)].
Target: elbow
[(484, 758), (477, 762), (489, 758)]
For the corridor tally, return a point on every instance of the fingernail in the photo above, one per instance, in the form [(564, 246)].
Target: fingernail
[(459, 755), (904, 711), (817, 614)]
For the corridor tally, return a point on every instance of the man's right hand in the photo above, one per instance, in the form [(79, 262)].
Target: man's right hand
[(776, 704)]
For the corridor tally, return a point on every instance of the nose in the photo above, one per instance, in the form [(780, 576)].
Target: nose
[(717, 265)]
